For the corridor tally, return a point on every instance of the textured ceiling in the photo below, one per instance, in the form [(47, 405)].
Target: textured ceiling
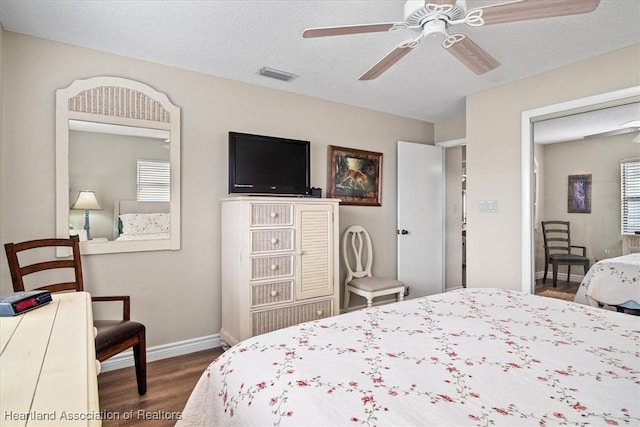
[(233, 39)]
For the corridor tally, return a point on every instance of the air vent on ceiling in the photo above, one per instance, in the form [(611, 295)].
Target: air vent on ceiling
[(277, 74)]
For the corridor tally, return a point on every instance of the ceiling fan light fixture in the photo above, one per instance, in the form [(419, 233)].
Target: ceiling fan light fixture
[(437, 26), (277, 74)]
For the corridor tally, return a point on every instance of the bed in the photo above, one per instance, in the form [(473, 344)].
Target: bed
[(613, 281), (135, 220), (467, 357)]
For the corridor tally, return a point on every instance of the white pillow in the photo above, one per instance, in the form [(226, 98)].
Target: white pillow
[(145, 223)]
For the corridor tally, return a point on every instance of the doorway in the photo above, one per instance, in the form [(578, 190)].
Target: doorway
[(528, 118)]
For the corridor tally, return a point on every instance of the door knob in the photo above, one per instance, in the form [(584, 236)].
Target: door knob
[(402, 232)]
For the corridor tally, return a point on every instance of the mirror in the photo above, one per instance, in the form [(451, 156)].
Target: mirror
[(117, 166)]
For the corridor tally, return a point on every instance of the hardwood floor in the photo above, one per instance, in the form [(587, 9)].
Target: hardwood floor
[(561, 286), (563, 290), (169, 384)]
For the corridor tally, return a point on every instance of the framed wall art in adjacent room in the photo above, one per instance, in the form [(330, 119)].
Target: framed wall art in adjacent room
[(579, 194)]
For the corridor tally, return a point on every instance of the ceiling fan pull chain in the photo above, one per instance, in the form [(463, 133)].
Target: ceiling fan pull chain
[(474, 18), (452, 39)]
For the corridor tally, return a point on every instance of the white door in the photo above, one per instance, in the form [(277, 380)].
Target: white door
[(421, 218)]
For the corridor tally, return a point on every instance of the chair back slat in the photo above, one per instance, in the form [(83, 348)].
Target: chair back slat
[(556, 236), (20, 270), (47, 265), (59, 287)]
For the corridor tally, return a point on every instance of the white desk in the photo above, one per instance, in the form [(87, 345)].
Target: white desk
[(48, 372)]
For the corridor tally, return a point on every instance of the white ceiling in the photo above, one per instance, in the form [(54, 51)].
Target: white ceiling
[(233, 39), (602, 122)]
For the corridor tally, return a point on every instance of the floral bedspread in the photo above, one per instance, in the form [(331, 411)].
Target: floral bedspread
[(470, 357), (612, 281)]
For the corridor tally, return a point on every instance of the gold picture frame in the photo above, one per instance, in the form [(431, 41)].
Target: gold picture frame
[(354, 176)]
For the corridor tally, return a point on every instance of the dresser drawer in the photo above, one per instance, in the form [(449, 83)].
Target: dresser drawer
[(270, 320), (271, 240), (272, 266), (271, 293), (271, 214)]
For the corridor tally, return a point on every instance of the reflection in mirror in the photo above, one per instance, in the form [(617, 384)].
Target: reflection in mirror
[(118, 139), (116, 166)]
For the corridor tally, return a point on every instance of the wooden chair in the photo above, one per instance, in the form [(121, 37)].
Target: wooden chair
[(114, 336), (357, 253), (558, 249)]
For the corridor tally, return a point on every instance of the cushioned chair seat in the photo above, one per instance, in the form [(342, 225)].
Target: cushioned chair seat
[(112, 332), (567, 258), (372, 284)]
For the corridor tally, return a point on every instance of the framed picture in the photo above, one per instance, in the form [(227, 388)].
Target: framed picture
[(355, 176), (579, 194)]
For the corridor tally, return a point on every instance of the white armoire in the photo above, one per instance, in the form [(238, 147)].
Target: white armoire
[(279, 263)]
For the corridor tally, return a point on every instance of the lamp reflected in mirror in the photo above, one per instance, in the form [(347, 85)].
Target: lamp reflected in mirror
[(87, 201)]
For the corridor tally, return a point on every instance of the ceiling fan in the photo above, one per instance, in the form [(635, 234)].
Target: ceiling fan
[(624, 128), (433, 17)]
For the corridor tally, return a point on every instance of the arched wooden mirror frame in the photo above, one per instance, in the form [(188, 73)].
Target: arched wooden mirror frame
[(118, 101)]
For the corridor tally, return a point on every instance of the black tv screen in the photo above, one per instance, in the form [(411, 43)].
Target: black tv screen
[(268, 165)]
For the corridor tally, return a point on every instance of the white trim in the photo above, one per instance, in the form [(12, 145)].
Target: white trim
[(452, 143), (526, 148), (164, 351)]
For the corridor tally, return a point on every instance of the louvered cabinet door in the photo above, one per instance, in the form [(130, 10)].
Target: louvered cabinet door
[(314, 251)]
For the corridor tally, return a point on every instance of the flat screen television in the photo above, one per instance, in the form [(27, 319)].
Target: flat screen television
[(268, 165)]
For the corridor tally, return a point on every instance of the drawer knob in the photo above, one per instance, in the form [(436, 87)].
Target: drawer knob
[(273, 214), (274, 293), (319, 312), (274, 267), (274, 241)]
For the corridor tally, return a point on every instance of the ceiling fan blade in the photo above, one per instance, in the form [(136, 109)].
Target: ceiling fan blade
[(391, 58), (524, 10), (352, 29), (470, 54)]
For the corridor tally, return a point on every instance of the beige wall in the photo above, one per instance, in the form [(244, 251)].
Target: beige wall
[(599, 231), (493, 156), (450, 129), (177, 293)]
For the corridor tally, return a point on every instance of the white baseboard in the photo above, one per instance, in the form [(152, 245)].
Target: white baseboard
[(164, 351), (562, 277)]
